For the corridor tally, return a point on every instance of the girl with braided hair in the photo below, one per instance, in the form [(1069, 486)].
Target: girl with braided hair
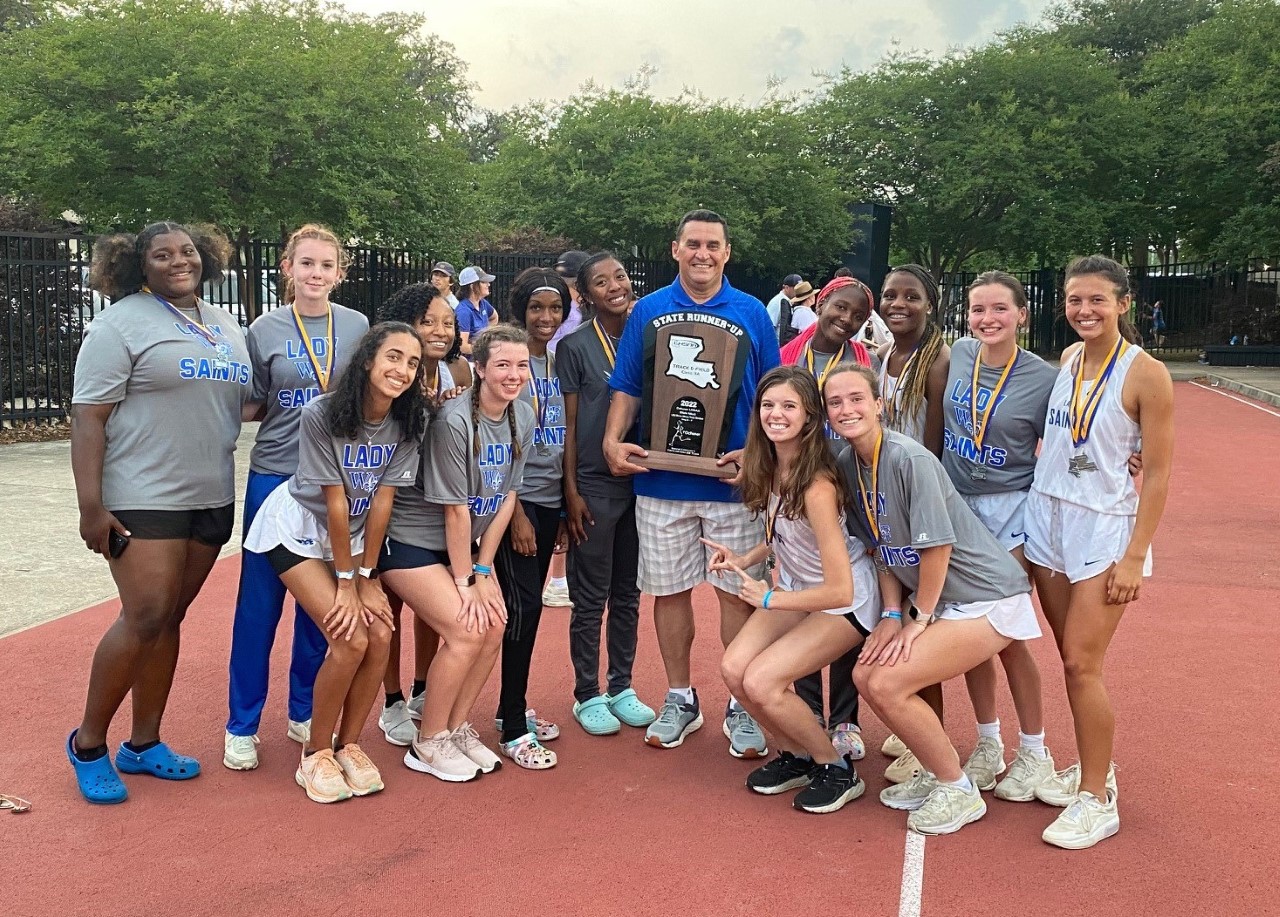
[(913, 381), (465, 492)]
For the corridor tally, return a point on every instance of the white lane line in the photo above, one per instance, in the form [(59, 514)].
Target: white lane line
[(912, 876), (1210, 388)]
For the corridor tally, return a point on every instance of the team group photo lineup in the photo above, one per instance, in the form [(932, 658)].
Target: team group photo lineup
[(878, 505)]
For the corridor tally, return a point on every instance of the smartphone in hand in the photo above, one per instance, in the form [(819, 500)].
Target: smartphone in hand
[(116, 543)]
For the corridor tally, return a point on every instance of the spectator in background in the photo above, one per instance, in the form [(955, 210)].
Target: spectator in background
[(802, 314), (782, 303), (474, 311), (567, 266), (442, 277)]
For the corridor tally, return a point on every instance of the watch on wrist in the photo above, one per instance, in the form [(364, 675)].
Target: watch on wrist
[(925, 620), (367, 572), (468, 580), (347, 575)]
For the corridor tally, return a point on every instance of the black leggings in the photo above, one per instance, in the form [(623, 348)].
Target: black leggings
[(521, 578), (844, 696)]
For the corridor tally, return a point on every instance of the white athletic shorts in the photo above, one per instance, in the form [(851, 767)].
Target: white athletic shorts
[(1001, 515), (672, 559), (1074, 540), (1013, 617), (281, 521), (866, 605)]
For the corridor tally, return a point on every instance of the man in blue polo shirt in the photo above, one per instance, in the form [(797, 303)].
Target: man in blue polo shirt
[(675, 510)]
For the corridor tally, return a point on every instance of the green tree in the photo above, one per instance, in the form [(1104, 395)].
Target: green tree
[(618, 169), (1013, 152), (256, 115), (1215, 99)]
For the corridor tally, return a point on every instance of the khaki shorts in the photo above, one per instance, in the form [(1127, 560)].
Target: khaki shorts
[(672, 559)]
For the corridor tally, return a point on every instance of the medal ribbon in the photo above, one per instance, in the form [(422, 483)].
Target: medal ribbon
[(610, 351), (835, 359), (1084, 409), (322, 375), (891, 404), (210, 338), (771, 521), (869, 500), (981, 419), (540, 403)]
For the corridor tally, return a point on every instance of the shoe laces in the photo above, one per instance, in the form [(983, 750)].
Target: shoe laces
[(986, 754), (938, 803), (466, 737), (355, 754), (670, 713), (1081, 811), (243, 744), (1023, 766), (741, 721), (920, 784), (325, 766)]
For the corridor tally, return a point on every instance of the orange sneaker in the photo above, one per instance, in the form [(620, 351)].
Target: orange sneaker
[(361, 774), (321, 776)]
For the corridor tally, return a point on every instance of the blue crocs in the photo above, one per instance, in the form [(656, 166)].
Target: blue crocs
[(158, 761), (98, 781), (626, 706), (594, 716)]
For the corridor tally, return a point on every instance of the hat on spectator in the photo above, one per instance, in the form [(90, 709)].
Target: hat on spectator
[(444, 267), (791, 280), (471, 275), (802, 291), (567, 265)]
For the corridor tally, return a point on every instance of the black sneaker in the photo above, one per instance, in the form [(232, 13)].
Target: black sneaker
[(785, 772), (831, 787)]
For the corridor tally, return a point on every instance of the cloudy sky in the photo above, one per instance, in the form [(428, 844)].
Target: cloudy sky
[(519, 50)]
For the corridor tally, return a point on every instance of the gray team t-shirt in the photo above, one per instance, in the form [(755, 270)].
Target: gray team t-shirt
[(1007, 460), (379, 455), (543, 482), (285, 380), (583, 369), (820, 363), (451, 474), (918, 508), (171, 439)]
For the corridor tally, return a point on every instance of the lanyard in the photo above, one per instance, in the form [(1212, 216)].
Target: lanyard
[(869, 500), (210, 338), (540, 403), (982, 419), (610, 350), (434, 388), (322, 374), (771, 519), (1084, 409), (835, 359)]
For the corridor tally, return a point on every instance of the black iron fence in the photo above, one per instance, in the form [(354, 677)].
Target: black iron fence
[(46, 305)]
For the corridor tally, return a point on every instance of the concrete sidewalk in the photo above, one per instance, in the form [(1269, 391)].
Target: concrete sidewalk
[(48, 572), (1261, 383)]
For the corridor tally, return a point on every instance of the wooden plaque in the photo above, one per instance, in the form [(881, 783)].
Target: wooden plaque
[(688, 410)]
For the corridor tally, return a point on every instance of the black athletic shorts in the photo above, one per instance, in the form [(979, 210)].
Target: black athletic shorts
[(207, 526), (283, 560), (396, 555)]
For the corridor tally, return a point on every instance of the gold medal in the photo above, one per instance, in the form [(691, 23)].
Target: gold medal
[(322, 372), (869, 500)]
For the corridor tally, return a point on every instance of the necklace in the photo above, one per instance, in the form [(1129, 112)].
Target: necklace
[(368, 437)]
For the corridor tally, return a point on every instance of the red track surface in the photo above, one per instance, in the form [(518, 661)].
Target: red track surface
[(619, 828)]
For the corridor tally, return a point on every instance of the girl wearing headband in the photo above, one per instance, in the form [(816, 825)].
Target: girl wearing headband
[(1089, 532)]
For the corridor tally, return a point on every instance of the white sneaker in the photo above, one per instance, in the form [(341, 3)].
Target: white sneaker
[(986, 763), (299, 732), (440, 757), (1085, 822), (903, 768), (893, 747), (909, 796), (397, 725), (240, 753), (947, 810), (1062, 788), (468, 741), (1027, 772), (556, 596), (415, 705)]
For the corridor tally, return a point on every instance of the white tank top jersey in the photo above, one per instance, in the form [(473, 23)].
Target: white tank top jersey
[(1094, 475), (795, 545), (908, 426)]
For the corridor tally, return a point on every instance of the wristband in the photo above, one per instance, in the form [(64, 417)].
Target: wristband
[(892, 614), (768, 597), (482, 570), (348, 575)]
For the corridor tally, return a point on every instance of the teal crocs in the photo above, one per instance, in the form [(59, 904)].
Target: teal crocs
[(595, 717), (630, 709), (158, 761)]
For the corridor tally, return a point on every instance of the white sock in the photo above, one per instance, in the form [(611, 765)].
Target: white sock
[(686, 694), (559, 582), (963, 783), (1033, 744), (734, 704), (989, 730)]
